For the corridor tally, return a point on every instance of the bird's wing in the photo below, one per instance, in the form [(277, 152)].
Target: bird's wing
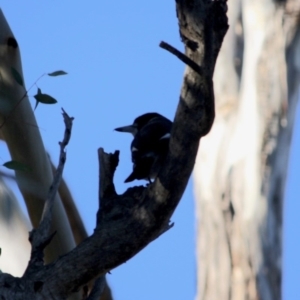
[(151, 139)]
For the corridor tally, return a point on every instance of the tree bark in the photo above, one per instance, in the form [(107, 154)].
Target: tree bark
[(241, 167)]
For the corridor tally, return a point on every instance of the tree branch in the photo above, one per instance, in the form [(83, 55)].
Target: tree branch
[(108, 164), (181, 56), (129, 222), (39, 237)]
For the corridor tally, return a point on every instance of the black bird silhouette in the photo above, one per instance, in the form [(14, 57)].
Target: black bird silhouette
[(150, 145)]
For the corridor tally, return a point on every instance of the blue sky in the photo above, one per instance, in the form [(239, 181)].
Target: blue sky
[(117, 72)]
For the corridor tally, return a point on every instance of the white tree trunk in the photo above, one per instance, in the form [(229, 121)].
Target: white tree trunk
[(14, 228), (241, 167)]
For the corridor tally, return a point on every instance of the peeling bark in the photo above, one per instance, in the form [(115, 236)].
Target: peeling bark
[(241, 166)]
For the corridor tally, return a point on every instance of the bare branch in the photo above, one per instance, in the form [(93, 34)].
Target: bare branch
[(185, 59), (39, 237), (108, 164), (47, 212)]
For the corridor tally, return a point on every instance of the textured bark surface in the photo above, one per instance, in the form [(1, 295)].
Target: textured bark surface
[(242, 164)]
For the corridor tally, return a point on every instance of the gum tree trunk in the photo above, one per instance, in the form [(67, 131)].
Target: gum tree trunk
[(241, 168)]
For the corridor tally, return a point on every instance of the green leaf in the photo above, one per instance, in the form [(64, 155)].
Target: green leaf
[(57, 73), (15, 165), (39, 91), (18, 78), (44, 98)]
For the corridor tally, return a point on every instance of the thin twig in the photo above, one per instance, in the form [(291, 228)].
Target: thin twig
[(58, 173), (22, 98), (39, 237), (182, 57)]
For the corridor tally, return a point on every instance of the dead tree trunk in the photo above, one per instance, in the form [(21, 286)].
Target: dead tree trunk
[(241, 166)]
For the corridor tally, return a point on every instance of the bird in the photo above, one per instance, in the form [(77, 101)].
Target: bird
[(151, 134)]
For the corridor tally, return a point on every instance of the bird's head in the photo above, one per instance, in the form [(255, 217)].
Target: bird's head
[(138, 123)]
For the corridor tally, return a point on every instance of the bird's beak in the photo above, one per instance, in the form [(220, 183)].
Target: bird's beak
[(130, 128)]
